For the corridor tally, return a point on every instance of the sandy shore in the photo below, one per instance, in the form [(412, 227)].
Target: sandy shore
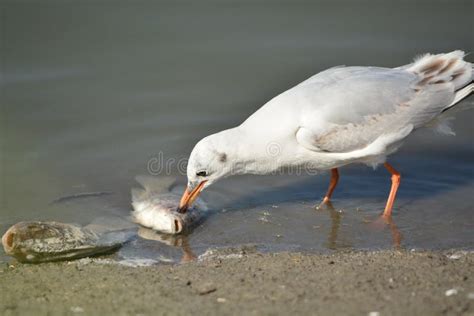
[(352, 283)]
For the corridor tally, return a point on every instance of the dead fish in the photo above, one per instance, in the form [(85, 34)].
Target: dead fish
[(35, 242), (155, 206)]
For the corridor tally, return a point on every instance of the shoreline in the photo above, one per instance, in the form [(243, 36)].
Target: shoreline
[(395, 282)]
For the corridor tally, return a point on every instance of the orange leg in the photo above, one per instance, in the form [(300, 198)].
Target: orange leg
[(332, 185), (393, 191)]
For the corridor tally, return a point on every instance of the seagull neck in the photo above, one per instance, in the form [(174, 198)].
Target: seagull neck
[(248, 153)]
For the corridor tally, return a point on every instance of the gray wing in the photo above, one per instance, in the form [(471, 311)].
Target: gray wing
[(347, 108)]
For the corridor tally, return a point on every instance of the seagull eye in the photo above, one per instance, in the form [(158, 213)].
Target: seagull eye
[(201, 173)]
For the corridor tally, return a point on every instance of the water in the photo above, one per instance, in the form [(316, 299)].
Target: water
[(93, 93)]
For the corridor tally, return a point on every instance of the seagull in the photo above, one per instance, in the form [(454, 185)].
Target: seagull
[(340, 116)]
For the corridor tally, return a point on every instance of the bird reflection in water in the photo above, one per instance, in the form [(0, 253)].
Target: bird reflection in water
[(380, 224), (332, 242)]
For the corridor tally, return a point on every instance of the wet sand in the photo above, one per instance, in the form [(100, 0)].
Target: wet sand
[(248, 282)]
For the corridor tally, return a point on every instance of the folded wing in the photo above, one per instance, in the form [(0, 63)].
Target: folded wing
[(348, 108)]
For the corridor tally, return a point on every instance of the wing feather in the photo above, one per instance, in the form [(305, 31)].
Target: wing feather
[(349, 108)]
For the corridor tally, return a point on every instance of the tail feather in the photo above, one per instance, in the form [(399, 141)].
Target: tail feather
[(442, 123), (443, 68), (460, 95), (447, 74)]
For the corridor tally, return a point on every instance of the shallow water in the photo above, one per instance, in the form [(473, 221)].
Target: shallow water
[(94, 94)]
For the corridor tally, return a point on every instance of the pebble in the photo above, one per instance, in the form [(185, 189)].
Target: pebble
[(221, 300), (84, 261), (206, 289), (77, 309), (373, 314), (451, 292), (456, 255)]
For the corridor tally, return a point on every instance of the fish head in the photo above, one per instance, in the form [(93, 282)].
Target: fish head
[(168, 221)]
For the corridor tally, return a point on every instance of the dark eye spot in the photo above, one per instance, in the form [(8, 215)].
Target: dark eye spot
[(201, 173), (223, 157)]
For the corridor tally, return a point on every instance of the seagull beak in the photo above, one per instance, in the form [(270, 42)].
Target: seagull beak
[(189, 196)]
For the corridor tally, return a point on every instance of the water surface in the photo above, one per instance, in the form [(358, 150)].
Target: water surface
[(94, 92)]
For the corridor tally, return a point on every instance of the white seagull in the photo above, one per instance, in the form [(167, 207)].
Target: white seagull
[(340, 116)]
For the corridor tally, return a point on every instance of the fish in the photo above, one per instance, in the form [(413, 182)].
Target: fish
[(45, 241), (155, 206)]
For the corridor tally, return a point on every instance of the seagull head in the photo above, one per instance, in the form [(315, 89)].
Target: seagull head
[(209, 161)]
